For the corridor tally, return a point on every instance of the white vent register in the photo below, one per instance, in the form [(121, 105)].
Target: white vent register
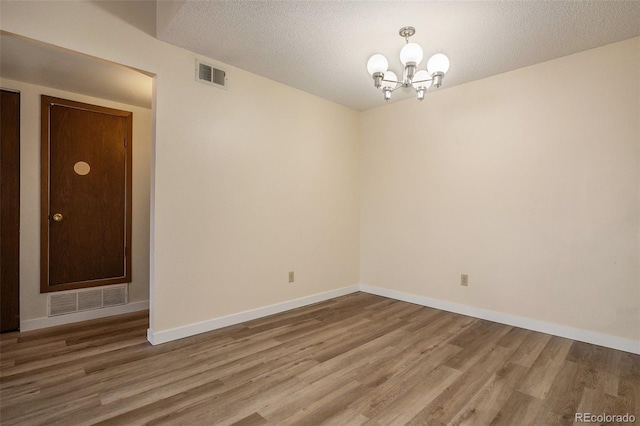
[(208, 74), (67, 302)]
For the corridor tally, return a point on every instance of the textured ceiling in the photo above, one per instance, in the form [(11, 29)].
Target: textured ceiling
[(38, 63), (322, 47)]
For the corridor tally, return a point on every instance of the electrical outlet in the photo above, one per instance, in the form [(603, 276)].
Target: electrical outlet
[(464, 280), (291, 276)]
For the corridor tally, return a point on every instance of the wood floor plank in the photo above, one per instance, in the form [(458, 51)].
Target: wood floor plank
[(7, 363), (235, 403), (477, 350), (353, 360), (364, 354), (40, 379), (57, 414), (424, 318), (546, 367), (388, 365), (597, 402), (143, 351), (628, 400), (322, 409), (566, 391), (400, 383), (443, 330), (33, 390), (397, 310), (453, 399), (484, 406), (8, 339), (71, 357), (531, 348), (253, 419), (120, 382), (345, 417), (164, 407), (280, 411), (402, 410), (354, 341), (520, 409), (22, 353), (85, 328)]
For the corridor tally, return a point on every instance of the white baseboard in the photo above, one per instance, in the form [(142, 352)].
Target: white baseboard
[(588, 336), (156, 338), (578, 334), (37, 323)]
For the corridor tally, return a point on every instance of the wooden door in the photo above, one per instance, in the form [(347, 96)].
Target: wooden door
[(9, 211), (86, 195)]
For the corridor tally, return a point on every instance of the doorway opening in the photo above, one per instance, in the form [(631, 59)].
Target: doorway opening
[(35, 69)]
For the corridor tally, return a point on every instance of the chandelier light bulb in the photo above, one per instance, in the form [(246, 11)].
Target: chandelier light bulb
[(377, 63), (389, 75), (422, 80), (438, 63), (411, 53)]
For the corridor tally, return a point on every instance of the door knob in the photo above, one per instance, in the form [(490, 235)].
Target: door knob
[(57, 217)]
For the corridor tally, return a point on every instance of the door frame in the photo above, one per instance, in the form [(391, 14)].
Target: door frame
[(10, 224), (45, 211)]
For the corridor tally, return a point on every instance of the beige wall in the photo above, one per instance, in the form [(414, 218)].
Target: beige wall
[(527, 181), (250, 182), (33, 304), (263, 180)]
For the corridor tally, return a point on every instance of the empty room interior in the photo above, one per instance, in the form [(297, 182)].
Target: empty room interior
[(320, 212)]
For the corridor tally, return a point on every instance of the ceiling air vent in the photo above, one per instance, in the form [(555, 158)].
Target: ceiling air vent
[(208, 74)]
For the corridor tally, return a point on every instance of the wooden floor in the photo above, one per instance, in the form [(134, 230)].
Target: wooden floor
[(358, 359)]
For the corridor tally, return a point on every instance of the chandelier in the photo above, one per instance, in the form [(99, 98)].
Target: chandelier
[(410, 56)]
